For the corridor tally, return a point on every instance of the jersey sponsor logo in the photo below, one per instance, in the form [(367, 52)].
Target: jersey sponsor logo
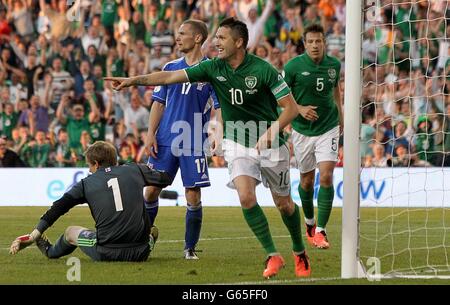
[(157, 89), (200, 86), (221, 79), (306, 73), (279, 88), (204, 176), (332, 73), (108, 169), (251, 82)]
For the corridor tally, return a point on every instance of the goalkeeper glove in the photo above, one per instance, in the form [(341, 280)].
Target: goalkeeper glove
[(24, 241)]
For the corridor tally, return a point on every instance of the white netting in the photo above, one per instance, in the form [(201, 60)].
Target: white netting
[(405, 137)]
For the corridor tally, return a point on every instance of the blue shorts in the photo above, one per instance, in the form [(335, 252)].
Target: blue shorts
[(193, 166)]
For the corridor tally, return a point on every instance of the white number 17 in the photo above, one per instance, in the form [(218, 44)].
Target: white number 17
[(201, 165)]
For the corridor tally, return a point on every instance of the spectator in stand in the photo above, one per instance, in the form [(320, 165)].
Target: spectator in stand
[(37, 152), (134, 112), (77, 153), (255, 23), (378, 157), (63, 156), (8, 119), (82, 75), (336, 42), (8, 158), (62, 81), (76, 122), (61, 25), (163, 37), (20, 15), (36, 117), (424, 140)]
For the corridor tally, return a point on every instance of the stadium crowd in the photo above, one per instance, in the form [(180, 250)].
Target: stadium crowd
[(54, 102)]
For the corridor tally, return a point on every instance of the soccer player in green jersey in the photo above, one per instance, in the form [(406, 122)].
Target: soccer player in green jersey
[(314, 80), (248, 89)]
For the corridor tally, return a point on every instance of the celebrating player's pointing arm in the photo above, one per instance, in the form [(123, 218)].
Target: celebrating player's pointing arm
[(152, 79)]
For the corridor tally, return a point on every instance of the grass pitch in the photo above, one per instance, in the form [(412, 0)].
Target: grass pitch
[(229, 252)]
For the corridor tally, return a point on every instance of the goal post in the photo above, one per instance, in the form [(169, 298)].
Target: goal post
[(396, 204), (350, 210)]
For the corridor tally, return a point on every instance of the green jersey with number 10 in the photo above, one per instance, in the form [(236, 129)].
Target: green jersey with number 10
[(247, 95), (313, 84)]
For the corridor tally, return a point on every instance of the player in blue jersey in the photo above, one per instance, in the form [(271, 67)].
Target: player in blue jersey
[(177, 134)]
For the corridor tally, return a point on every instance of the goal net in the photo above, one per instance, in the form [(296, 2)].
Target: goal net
[(404, 141)]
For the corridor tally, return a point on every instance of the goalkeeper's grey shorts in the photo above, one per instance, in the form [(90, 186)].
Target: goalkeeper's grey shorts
[(87, 241)]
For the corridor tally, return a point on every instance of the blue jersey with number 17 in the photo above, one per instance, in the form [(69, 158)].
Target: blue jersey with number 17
[(188, 107)]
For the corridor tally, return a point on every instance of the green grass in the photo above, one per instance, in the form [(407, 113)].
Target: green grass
[(230, 254)]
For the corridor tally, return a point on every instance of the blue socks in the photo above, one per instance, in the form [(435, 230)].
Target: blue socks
[(194, 216), (151, 207)]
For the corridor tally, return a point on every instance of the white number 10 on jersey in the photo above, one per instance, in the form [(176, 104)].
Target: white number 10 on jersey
[(236, 96)]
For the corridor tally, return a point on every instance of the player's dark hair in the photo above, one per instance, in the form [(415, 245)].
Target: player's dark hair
[(238, 29), (103, 152), (314, 28), (199, 27)]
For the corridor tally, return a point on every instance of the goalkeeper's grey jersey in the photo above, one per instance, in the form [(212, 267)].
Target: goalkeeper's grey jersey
[(115, 198)]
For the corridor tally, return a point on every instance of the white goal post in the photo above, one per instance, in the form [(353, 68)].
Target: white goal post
[(350, 209), (411, 239)]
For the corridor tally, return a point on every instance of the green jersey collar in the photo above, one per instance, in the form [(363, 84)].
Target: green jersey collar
[(247, 58)]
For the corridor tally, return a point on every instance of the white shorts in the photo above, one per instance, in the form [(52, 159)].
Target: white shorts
[(309, 151), (271, 166)]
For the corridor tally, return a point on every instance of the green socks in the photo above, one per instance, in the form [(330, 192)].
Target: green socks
[(257, 221), (293, 225), (324, 203), (307, 202)]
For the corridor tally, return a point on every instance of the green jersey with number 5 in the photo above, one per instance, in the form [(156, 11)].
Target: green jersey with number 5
[(247, 95), (313, 84)]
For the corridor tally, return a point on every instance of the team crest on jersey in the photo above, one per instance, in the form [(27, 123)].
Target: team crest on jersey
[(200, 86), (332, 73), (251, 82)]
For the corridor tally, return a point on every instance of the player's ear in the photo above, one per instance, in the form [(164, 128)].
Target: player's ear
[(198, 38), (239, 42)]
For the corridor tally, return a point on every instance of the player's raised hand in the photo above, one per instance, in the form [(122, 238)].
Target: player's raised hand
[(151, 146), (308, 112), (118, 83), (20, 243)]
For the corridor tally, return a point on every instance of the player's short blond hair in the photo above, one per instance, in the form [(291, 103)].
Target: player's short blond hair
[(104, 153), (198, 27)]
